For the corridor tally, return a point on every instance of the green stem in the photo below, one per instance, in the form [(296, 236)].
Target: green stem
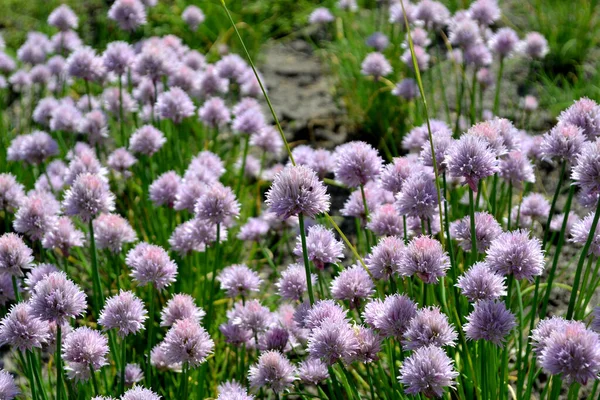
[(311, 296), (498, 82), (16, 289), (243, 166), (473, 228), (98, 297), (121, 122), (94, 381), (150, 335), (123, 365), (28, 367), (59, 368), (582, 257)]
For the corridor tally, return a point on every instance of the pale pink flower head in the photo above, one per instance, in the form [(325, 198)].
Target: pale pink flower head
[(534, 45), (295, 190), (63, 18), (180, 306), (88, 197), (376, 65), (357, 163), (151, 264), (174, 104), (163, 191), (147, 140), (63, 236), (565, 142), (585, 114), (239, 280), (37, 215), (86, 348), (193, 16), (214, 112), (11, 192), (320, 15), (129, 14), (425, 258), (218, 205), (471, 158), (123, 312), (273, 371), (322, 246), (85, 64), (118, 57), (187, 342), (57, 299), (15, 255)]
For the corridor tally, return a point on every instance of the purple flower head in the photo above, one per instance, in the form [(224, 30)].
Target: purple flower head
[(486, 230), (557, 221), (486, 12), (118, 57), (292, 284), (376, 65), (88, 197), (441, 142), (194, 60), (183, 239), (431, 13), (352, 284), (269, 140), (187, 343), (273, 371), (546, 327), (321, 245), (297, 190), (33, 148), (121, 160), (151, 264), (175, 105), (112, 231), (464, 32), (252, 316), (184, 78), (85, 64), (418, 197), (232, 391), (565, 142), (369, 345), (245, 104), (421, 56), (385, 257), (7, 292), (249, 122), (22, 330), (313, 317), (386, 221), (320, 15), (515, 253), (87, 347), (275, 338), (37, 274), (429, 327), (357, 163), (146, 140), (111, 100), (490, 321), (211, 84), (394, 175), (193, 16), (312, 370), (239, 280), (516, 168), (15, 256), (44, 109), (133, 374), (56, 299), (153, 62), (428, 370), (254, 230), (8, 387), (584, 114), (140, 393), (480, 283), (188, 193), (378, 41), (63, 18), (65, 117), (37, 215), (582, 229), (129, 14), (63, 236), (397, 13), (123, 312), (218, 205), (332, 340), (354, 206), (425, 258), (205, 167), (406, 88), (231, 66), (392, 316), (504, 42), (235, 334), (214, 112), (12, 192), (535, 206), (572, 351), (7, 64), (163, 191), (63, 42), (39, 74), (20, 81), (180, 306), (534, 45), (478, 56), (471, 158)]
